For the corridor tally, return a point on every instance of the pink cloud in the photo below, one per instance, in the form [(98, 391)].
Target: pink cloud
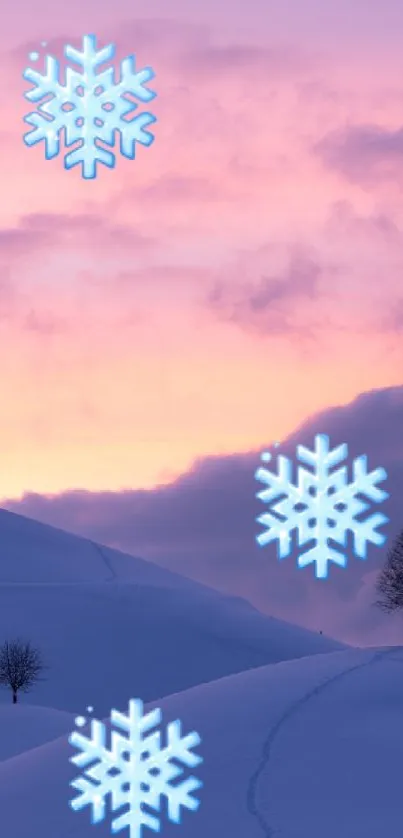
[(364, 153), (270, 304)]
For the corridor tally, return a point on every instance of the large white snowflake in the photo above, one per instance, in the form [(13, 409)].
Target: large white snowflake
[(90, 106), (322, 506), (137, 770)]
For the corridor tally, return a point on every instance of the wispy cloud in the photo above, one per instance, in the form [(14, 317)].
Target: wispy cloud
[(270, 304), (244, 62), (39, 230), (46, 323), (364, 153)]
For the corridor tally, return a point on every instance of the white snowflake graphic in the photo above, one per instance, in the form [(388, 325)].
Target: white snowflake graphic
[(90, 106), (136, 771), (322, 506)]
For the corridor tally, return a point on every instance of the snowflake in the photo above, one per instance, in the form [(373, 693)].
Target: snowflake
[(137, 770), (322, 506), (91, 106)]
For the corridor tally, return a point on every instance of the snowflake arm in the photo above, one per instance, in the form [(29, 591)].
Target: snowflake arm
[(322, 459), (90, 747), (278, 485)]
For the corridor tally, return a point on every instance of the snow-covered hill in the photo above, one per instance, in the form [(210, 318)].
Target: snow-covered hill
[(300, 749), (291, 748), (112, 626), (23, 727)]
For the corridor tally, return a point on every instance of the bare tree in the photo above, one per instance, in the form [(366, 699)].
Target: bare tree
[(390, 580), (20, 666)]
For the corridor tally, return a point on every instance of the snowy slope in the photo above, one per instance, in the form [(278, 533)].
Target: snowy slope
[(302, 749), (111, 626), (26, 727), (37, 553)]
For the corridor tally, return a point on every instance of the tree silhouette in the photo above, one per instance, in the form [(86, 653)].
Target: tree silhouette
[(20, 666), (390, 580)]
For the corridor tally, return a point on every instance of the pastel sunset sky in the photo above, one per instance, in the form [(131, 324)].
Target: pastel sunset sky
[(164, 323), (244, 272)]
